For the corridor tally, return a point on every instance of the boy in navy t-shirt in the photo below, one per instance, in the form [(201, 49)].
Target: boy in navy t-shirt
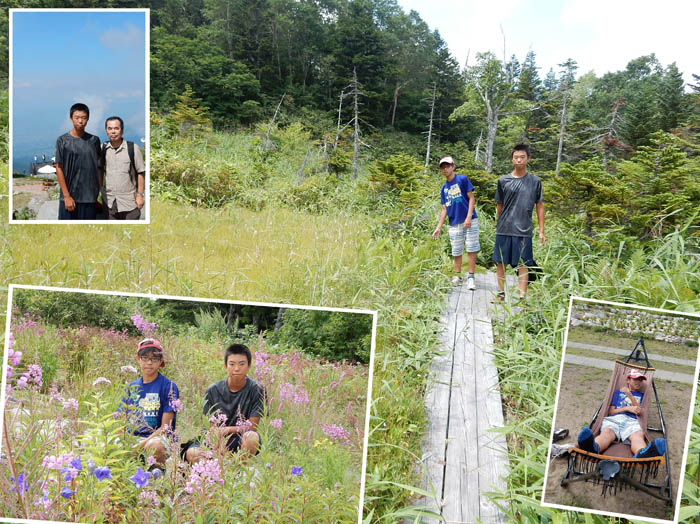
[(457, 200), (154, 399)]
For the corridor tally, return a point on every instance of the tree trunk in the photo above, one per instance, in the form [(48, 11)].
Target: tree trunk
[(492, 122), (279, 321), (396, 98), (430, 130), (562, 130), (300, 175), (356, 136), (337, 129), (272, 122), (478, 147)]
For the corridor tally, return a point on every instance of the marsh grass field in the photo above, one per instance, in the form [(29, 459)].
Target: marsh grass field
[(368, 248)]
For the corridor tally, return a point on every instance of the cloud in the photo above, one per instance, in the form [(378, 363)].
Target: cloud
[(122, 38)]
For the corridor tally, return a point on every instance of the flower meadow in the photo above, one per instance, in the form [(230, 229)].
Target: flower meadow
[(67, 453)]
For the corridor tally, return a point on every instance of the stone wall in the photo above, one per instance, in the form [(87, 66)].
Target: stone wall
[(668, 328)]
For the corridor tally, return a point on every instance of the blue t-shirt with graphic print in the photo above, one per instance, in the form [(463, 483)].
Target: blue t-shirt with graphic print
[(621, 400), (454, 197), (150, 401)]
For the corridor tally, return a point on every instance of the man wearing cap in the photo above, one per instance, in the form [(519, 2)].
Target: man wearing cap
[(457, 200), (621, 423), (152, 401)]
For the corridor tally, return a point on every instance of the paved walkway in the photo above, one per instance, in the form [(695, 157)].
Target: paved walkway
[(463, 459), (652, 357), (607, 364)]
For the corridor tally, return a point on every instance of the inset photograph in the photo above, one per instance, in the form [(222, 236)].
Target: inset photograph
[(623, 411), (79, 115), (126, 408)]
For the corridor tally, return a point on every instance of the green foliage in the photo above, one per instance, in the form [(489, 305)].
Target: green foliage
[(76, 309), (401, 178), (330, 335), (211, 325), (189, 118)]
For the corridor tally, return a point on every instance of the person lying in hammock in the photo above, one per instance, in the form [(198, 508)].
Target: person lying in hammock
[(622, 424)]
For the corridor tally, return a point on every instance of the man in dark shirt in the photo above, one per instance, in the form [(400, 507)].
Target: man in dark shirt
[(234, 406), (78, 168), (516, 194)]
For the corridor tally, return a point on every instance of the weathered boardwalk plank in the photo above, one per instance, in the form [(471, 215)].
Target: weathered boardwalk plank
[(463, 459)]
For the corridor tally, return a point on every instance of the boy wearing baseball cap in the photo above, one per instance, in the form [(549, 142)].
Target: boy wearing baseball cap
[(621, 423), (457, 200), (153, 398)]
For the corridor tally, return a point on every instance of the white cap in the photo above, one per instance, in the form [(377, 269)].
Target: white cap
[(446, 160)]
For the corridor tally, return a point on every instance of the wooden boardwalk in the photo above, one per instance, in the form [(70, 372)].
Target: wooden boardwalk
[(462, 459)]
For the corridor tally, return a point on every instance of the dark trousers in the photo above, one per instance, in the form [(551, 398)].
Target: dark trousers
[(82, 211), (115, 214)]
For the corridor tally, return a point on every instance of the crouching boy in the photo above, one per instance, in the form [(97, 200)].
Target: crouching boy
[(235, 405), (154, 399)]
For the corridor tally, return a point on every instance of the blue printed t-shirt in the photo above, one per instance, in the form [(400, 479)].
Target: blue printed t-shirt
[(620, 400), (454, 197), (151, 400)]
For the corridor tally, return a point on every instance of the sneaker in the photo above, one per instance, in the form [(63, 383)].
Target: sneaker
[(655, 448), (499, 297), (470, 283), (586, 441), (456, 280)]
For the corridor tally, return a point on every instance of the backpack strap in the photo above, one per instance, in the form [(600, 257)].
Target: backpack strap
[(132, 167)]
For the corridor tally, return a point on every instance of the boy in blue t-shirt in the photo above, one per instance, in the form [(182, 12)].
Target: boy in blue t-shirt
[(457, 200), (621, 423), (154, 399)]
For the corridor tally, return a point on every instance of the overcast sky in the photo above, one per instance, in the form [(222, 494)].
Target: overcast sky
[(60, 58), (601, 35)]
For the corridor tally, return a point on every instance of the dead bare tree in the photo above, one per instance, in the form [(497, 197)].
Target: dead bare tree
[(272, 123), (608, 136), (340, 110), (566, 88), (300, 174), (356, 92), (430, 128)]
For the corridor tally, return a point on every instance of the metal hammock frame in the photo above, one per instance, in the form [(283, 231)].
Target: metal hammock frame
[(618, 473)]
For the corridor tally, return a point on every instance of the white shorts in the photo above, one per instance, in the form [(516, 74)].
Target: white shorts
[(622, 425), (461, 238)]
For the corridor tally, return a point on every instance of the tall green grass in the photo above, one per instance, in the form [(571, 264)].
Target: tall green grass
[(528, 347), (258, 232)]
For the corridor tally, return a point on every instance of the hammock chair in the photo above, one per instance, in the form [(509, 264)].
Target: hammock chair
[(616, 468)]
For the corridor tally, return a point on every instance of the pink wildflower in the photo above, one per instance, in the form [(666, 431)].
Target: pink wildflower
[(218, 419), (148, 496), (287, 392), (300, 396), (150, 460), (101, 380), (70, 404), (204, 474), (145, 327), (276, 423), (21, 381), (176, 404), (54, 394), (128, 369), (14, 356), (335, 432), (56, 462)]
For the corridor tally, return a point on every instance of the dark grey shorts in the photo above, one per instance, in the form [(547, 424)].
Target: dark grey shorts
[(514, 251)]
